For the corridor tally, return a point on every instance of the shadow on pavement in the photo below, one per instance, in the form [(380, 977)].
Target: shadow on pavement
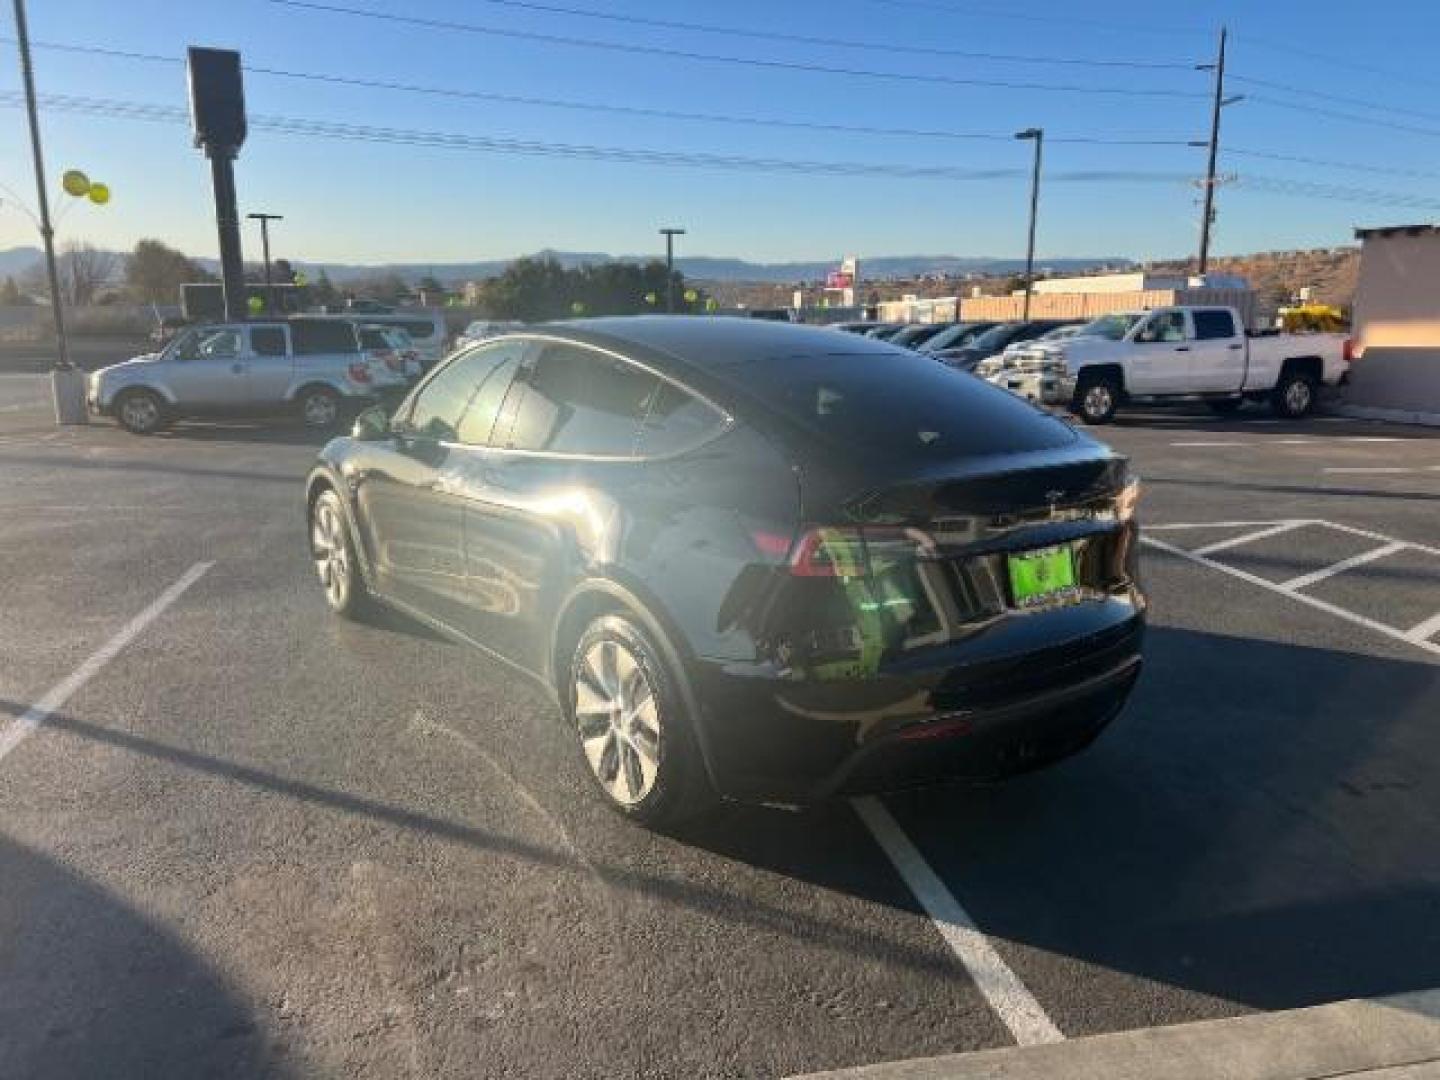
[(1203, 424), (1294, 489), (91, 987), (1261, 825)]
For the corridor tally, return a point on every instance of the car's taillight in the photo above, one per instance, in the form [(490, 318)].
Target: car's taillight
[(360, 373), (1348, 350), (854, 551)]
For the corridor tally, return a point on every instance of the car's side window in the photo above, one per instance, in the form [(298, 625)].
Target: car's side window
[(440, 410), (318, 337), (493, 378), (267, 340), (582, 401), (1164, 326), (676, 421), (1214, 325), (219, 345)]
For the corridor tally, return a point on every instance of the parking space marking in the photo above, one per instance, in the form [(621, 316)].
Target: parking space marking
[(1407, 636), (1215, 442), (38, 713), (1236, 541), (1340, 567), (1425, 630), (1008, 996), (1385, 469)]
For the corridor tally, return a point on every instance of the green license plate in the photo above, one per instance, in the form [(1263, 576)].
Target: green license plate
[(1040, 576)]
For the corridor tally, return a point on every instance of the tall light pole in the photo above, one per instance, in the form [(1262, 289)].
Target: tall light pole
[(1036, 135), (265, 220), (1207, 216), (670, 234), (68, 386)]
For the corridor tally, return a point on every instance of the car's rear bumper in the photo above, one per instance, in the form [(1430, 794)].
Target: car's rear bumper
[(970, 712)]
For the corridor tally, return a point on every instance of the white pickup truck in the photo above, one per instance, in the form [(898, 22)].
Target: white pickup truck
[(1171, 354)]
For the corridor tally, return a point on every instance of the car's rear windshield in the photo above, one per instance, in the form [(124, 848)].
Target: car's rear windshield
[(897, 405)]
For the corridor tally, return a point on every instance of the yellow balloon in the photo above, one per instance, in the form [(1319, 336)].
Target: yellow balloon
[(691, 296), (99, 194), (75, 183)]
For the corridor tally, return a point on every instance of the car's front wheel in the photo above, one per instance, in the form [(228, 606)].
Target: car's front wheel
[(1096, 398), (140, 412), (632, 726), (333, 550), (319, 407)]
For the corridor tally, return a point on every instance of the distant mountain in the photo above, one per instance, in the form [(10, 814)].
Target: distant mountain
[(16, 260)]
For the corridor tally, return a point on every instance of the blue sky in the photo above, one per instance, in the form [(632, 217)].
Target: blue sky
[(365, 202)]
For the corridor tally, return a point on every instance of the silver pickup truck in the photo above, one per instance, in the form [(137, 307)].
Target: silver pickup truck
[(314, 368)]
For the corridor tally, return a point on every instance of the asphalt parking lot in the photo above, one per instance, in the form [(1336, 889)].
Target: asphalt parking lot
[(242, 837)]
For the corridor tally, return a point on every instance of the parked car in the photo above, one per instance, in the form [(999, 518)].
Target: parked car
[(1176, 353), (885, 331), (393, 348), (916, 334), (426, 328), (312, 366), (994, 341), (955, 336), (862, 326), (745, 564)]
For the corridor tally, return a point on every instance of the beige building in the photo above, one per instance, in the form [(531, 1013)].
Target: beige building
[(1089, 297), (1397, 323)]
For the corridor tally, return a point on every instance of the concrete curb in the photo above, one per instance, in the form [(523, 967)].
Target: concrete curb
[(1395, 416), (1399, 1034)]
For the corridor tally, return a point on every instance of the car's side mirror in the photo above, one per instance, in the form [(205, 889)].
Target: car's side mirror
[(372, 425)]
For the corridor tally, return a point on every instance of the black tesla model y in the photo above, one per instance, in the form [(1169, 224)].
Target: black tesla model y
[(763, 561)]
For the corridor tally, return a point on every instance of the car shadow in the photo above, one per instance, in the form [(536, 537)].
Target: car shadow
[(1258, 421), (1262, 826), (277, 431), (89, 986), (1294, 489)]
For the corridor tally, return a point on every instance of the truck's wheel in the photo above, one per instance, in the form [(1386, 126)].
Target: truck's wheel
[(1096, 398), (1293, 396)]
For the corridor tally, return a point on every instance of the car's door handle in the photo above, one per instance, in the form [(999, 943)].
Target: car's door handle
[(1237, 346), (1182, 348)]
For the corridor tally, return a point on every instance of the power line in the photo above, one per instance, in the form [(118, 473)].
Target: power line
[(311, 128), (1341, 98), (723, 58), (1339, 61), (1336, 114), (972, 11), (629, 110), (832, 42), (447, 140), (1330, 163)]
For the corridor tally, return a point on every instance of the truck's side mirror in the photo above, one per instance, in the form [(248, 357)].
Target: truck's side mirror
[(372, 425)]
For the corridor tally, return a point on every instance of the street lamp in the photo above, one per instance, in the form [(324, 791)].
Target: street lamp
[(1037, 135), (670, 234), (265, 220)]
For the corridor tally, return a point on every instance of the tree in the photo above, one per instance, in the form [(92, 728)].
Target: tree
[(84, 270), (534, 290), (281, 272), (10, 294), (155, 272), (323, 291)]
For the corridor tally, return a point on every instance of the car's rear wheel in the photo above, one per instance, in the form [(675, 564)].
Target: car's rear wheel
[(1294, 396), (1096, 398), (333, 550), (631, 724), (140, 412), (319, 407)]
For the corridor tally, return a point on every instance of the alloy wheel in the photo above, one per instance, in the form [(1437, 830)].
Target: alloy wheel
[(139, 412), (1297, 397), (320, 410), (1097, 400), (332, 559), (618, 714)]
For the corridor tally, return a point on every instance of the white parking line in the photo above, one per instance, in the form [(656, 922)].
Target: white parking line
[(1427, 629), (1340, 613), (37, 714), (1236, 541), (1305, 580), (1382, 469), (1214, 443), (1002, 988)]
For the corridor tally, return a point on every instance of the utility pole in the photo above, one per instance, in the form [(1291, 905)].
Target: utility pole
[(1207, 216), (265, 220), (67, 387), (670, 234), (1037, 136)]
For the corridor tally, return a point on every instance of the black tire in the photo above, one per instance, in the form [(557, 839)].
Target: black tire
[(319, 407), (1226, 406), (1096, 398), (332, 550), (140, 412), (1294, 396), (619, 739)]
